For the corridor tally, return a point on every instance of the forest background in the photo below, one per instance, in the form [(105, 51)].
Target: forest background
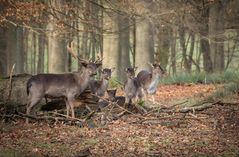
[(186, 37)]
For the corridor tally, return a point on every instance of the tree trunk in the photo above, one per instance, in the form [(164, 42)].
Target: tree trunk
[(204, 42), (163, 47), (41, 53), (19, 51), (69, 61), (173, 49), (111, 46), (144, 44), (57, 44), (3, 58), (25, 47), (34, 52), (86, 35), (198, 53), (11, 47), (205, 49), (190, 56), (184, 48), (216, 32), (124, 45)]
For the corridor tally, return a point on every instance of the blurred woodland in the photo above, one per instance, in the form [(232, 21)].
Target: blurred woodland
[(183, 35)]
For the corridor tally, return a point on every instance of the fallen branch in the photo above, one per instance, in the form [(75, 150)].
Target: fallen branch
[(115, 103), (65, 116), (62, 118), (10, 84), (89, 115), (193, 109)]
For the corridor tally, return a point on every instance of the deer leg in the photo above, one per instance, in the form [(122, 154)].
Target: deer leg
[(134, 100), (67, 108), (71, 105), (30, 105), (145, 95), (46, 100), (153, 99), (127, 100)]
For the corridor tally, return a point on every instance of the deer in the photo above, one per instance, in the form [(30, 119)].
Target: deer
[(149, 80), (68, 86), (132, 87), (99, 87)]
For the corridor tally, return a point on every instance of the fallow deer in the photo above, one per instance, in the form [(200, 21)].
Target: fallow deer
[(99, 87), (149, 80), (69, 85), (132, 88)]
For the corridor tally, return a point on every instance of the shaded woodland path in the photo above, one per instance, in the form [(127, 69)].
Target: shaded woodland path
[(211, 132)]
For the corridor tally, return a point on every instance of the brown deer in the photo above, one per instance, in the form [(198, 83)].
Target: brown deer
[(132, 88), (150, 80), (69, 85)]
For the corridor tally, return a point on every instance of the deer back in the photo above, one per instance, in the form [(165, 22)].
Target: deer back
[(54, 85), (150, 80), (144, 78)]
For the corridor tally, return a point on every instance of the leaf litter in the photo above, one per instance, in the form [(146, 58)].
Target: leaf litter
[(211, 132)]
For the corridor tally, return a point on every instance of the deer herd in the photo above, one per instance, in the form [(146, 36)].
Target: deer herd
[(69, 86)]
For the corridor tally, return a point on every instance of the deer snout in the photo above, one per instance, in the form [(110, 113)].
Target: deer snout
[(92, 73)]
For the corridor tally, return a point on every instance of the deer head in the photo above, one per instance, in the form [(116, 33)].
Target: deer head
[(106, 73), (157, 69), (130, 72)]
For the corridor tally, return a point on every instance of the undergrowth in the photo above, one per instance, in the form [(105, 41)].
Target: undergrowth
[(181, 78), (225, 91), (115, 83)]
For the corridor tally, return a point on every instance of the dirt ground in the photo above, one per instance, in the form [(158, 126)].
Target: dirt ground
[(211, 132)]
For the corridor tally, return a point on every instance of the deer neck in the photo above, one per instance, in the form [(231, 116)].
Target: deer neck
[(154, 83), (83, 79), (104, 84), (130, 80), (155, 76)]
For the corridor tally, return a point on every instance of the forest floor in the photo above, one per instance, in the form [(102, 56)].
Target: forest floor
[(210, 132)]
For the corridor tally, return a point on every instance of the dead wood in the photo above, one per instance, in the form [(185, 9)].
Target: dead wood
[(55, 118), (9, 88), (203, 106)]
